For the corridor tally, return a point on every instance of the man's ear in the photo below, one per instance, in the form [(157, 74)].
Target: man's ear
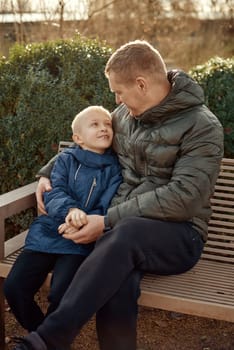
[(141, 83), (77, 139)]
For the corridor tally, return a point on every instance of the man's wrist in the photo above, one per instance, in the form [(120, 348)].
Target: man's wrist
[(107, 225)]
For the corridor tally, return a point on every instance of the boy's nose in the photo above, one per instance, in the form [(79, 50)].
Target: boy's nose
[(103, 127)]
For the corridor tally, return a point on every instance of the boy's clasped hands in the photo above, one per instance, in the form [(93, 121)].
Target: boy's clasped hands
[(80, 227), (75, 219)]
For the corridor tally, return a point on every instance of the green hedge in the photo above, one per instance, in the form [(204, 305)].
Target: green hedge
[(217, 79), (43, 86)]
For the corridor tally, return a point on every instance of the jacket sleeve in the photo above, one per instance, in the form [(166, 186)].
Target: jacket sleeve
[(59, 200), (46, 170), (188, 191)]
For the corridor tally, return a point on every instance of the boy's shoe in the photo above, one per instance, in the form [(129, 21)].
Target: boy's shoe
[(32, 341), (22, 344)]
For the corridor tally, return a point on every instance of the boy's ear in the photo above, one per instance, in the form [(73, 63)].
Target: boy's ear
[(76, 138)]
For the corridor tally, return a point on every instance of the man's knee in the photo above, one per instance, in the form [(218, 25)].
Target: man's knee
[(118, 239)]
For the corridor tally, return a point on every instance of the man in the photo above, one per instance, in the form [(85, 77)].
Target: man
[(170, 147)]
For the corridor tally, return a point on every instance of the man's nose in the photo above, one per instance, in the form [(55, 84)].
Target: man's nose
[(117, 99)]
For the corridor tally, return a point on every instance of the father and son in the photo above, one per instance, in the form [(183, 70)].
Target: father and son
[(132, 196)]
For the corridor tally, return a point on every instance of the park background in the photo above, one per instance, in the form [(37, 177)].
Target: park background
[(187, 33)]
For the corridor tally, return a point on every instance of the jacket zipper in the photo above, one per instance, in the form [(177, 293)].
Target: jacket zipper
[(94, 183), (77, 171)]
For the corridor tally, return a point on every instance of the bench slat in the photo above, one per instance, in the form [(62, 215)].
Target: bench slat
[(64, 144), (224, 174), (222, 216), (219, 223), (217, 211), (225, 181), (223, 189), (223, 203), (219, 258), (218, 236), (219, 251), (221, 245), (222, 230)]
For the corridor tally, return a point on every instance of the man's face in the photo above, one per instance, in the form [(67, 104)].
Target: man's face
[(130, 94)]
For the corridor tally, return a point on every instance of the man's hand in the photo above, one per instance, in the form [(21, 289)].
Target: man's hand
[(87, 233), (44, 185)]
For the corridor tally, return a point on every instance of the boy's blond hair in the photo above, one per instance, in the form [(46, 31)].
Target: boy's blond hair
[(78, 118), (134, 59)]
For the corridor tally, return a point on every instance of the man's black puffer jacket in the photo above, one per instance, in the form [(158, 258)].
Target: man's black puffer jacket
[(170, 157)]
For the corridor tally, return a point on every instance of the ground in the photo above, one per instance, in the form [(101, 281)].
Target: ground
[(157, 330)]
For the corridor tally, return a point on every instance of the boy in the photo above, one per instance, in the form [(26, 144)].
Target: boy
[(85, 178)]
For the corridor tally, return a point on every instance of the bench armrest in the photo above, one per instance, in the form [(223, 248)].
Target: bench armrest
[(14, 202)]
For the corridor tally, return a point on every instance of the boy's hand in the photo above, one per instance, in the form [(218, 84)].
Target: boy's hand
[(76, 217), (63, 227)]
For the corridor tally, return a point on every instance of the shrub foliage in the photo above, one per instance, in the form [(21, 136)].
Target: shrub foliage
[(217, 79), (43, 86)]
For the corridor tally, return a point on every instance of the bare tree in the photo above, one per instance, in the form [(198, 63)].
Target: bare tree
[(174, 26), (18, 8), (61, 7), (4, 6)]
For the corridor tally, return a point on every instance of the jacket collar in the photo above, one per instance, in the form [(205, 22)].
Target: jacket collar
[(185, 93), (91, 159)]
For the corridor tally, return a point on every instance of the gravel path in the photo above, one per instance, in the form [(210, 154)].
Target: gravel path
[(157, 330)]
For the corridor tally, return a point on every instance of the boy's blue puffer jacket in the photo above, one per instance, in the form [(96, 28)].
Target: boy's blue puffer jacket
[(80, 179)]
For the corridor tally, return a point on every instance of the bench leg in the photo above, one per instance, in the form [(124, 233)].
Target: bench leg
[(2, 316)]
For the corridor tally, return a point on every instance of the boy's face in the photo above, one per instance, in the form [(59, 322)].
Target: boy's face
[(95, 132)]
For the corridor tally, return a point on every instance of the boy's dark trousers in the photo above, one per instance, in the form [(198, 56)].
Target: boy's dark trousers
[(27, 276), (107, 283)]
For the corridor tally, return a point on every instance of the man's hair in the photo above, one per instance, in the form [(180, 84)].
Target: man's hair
[(76, 121), (136, 58)]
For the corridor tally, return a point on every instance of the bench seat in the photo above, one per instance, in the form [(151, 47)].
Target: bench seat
[(207, 290)]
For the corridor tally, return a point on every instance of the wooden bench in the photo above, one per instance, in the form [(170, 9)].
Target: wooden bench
[(206, 290)]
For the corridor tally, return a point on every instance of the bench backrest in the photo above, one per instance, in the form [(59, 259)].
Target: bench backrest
[(220, 244), (64, 144)]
